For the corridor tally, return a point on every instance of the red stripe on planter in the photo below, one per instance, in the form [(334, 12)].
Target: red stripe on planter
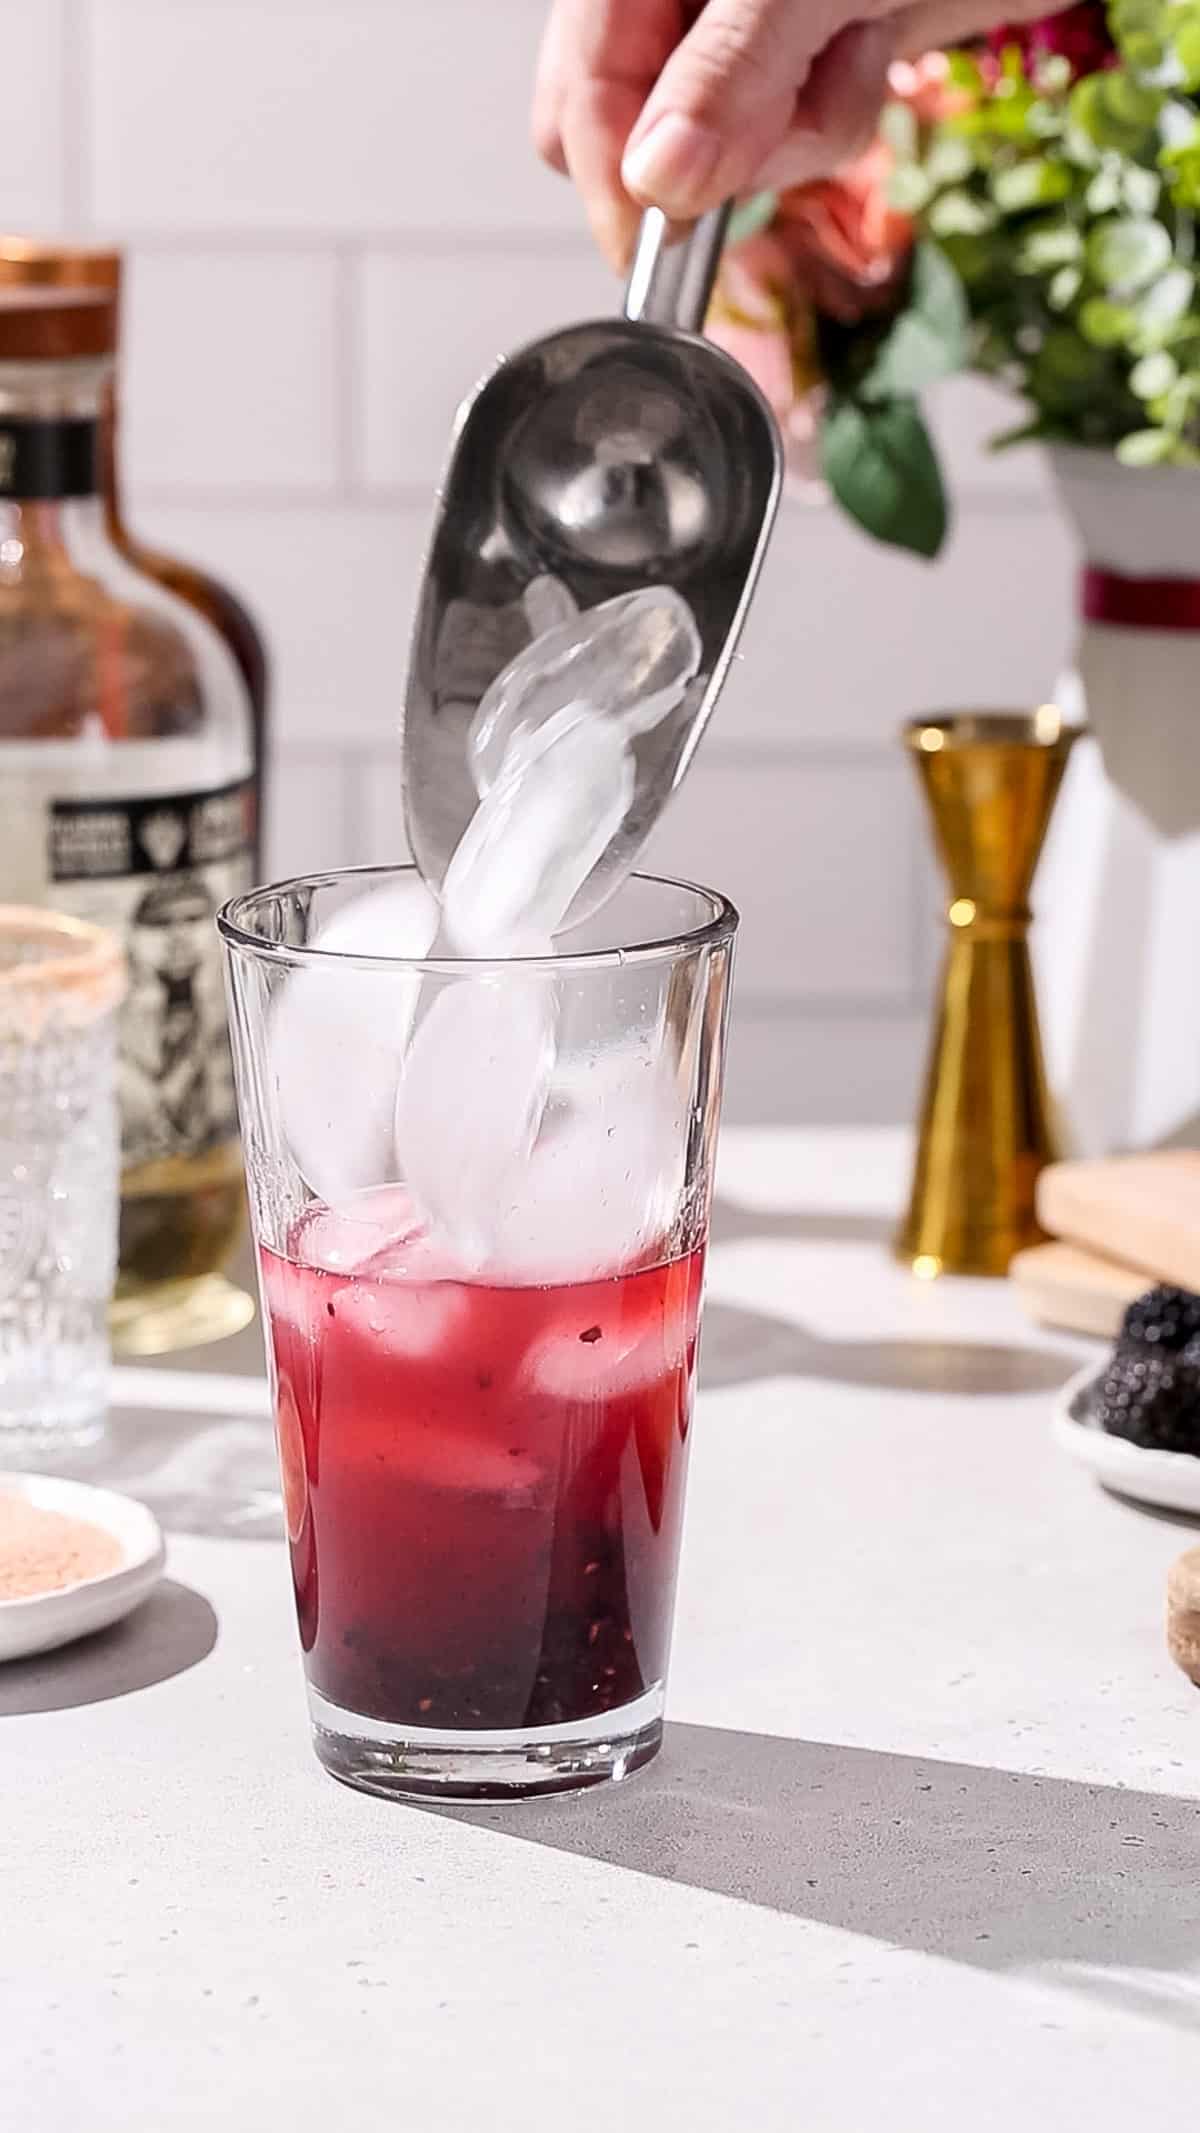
[(1140, 603)]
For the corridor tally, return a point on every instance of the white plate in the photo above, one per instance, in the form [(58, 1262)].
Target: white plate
[(1169, 1480), (48, 1619)]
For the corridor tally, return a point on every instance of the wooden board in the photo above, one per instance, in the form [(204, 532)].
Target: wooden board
[(1060, 1285), (1142, 1210)]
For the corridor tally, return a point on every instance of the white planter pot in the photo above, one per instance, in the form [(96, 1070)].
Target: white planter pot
[(1117, 943)]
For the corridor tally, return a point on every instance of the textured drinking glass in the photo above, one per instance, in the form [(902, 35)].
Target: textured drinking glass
[(60, 983), (483, 1464)]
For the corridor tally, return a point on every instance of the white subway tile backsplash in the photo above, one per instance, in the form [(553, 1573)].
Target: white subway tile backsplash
[(311, 116), (847, 638), (332, 587), (818, 860), (232, 375), (430, 327), (308, 814), (32, 144), (382, 839), (828, 1069), (336, 224)]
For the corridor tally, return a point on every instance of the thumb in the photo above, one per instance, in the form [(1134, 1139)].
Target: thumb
[(723, 102)]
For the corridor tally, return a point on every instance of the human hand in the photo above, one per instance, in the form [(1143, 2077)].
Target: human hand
[(680, 105)]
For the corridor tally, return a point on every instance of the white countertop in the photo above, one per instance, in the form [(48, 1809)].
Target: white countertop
[(922, 1850)]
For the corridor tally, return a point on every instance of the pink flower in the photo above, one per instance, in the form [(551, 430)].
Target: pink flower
[(761, 316), (925, 85), (1080, 34), (848, 244)]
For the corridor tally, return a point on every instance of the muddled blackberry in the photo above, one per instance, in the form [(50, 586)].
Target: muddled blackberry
[(1152, 1398), (1164, 1319)]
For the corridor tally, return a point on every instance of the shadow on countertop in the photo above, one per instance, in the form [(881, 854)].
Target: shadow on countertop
[(741, 1346), (173, 1630), (994, 1868)]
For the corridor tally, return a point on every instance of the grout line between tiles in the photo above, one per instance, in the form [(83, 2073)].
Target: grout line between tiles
[(974, 501), (368, 751)]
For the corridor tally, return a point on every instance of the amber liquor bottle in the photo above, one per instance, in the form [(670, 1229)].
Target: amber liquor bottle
[(127, 797), (28, 262)]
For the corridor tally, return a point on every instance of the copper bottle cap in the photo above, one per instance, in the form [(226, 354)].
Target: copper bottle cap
[(46, 262), (47, 325)]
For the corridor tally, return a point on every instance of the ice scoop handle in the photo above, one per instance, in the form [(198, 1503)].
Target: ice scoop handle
[(670, 284)]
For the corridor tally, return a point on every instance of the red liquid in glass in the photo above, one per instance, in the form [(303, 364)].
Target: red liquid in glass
[(483, 1485)]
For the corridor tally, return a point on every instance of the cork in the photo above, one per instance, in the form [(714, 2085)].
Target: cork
[(1183, 1613)]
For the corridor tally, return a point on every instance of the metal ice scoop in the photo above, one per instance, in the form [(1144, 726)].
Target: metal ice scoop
[(601, 458)]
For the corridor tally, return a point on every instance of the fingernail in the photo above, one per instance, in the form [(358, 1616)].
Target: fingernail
[(614, 226), (671, 163)]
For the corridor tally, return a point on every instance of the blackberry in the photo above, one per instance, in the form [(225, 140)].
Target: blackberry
[(1152, 1398), (1162, 1319)]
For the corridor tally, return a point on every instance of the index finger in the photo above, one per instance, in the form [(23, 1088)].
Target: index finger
[(599, 61)]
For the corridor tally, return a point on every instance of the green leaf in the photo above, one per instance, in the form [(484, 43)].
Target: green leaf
[(1162, 306), (882, 468), (1153, 376), (1144, 51), (1107, 325), (1180, 402), (1128, 253), (949, 161), (1127, 15), (1144, 448), (1054, 244), (1127, 102), (1185, 37), (1104, 192), (751, 216), (964, 70), (1034, 183), (909, 189), (1140, 189), (960, 214), (1120, 118), (1064, 288), (898, 126), (1065, 373), (929, 338), (1177, 124), (1182, 166)]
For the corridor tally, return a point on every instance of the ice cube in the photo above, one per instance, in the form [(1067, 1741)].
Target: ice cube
[(470, 1102), (607, 1359), (433, 1456), (630, 659), (549, 817), (602, 1189), (346, 1238), (337, 1036), (407, 1317)]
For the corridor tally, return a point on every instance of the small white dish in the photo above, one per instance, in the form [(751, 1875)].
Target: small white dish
[(1168, 1480), (47, 1619)]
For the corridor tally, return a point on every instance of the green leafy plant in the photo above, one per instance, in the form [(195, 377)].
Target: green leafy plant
[(1049, 187)]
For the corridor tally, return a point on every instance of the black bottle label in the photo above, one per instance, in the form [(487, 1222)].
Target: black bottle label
[(47, 461), (156, 870)]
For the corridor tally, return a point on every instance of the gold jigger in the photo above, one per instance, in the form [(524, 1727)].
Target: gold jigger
[(991, 780)]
